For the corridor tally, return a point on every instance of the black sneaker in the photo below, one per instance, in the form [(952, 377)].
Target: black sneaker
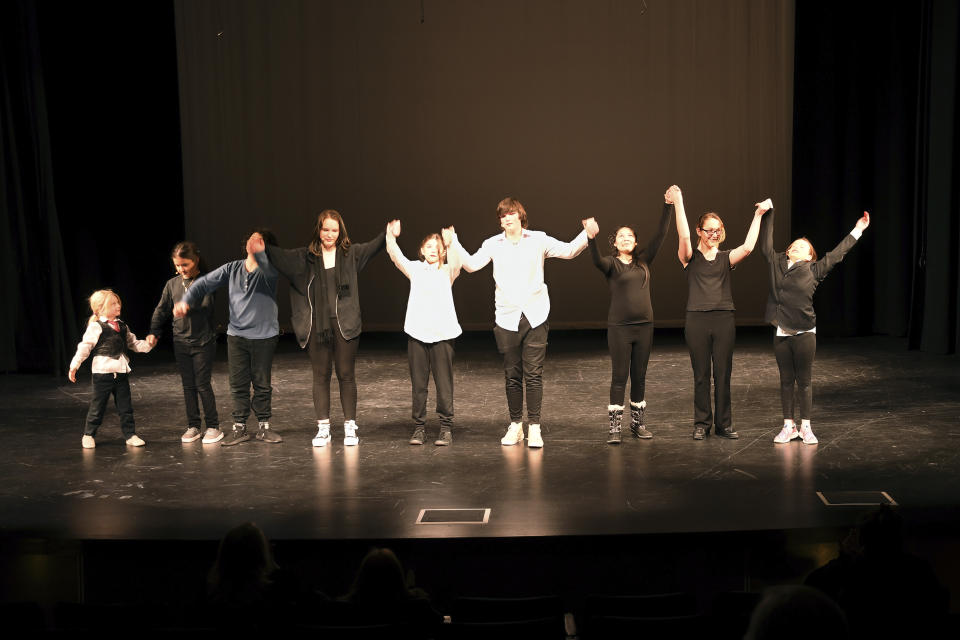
[(418, 436), (268, 435), (445, 438), (699, 433), (236, 435)]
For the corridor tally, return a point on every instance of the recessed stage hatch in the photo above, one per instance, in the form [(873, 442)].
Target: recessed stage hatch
[(453, 516), (856, 498)]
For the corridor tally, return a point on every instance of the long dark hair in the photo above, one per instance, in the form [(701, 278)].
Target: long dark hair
[(380, 579), (636, 245), (244, 564), (343, 240)]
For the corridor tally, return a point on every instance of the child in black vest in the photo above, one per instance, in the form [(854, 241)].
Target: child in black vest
[(107, 339)]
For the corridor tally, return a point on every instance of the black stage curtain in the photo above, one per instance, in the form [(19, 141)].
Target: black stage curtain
[(37, 330), (875, 119)]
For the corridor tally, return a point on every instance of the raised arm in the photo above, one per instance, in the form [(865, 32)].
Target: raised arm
[(653, 247), (766, 236), (741, 252), (684, 249), (393, 250), (824, 265), (454, 263), (568, 250), (473, 262), (366, 250)]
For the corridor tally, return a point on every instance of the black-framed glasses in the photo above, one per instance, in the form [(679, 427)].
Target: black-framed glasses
[(711, 232)]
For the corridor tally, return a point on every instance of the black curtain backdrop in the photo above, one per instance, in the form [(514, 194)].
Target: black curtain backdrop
[(578, 108), (875, 128), (89, 96), (36, 327)]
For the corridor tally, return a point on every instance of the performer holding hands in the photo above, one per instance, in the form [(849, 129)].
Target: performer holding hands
[(325, 299), (522, 306), (430, 324), (710, 329), (630, 319), (794, 277)]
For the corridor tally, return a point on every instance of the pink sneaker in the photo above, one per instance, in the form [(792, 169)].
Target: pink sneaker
[(787, 434), (807, 434)]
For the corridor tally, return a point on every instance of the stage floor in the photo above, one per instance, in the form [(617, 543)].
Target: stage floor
[(888, 420)]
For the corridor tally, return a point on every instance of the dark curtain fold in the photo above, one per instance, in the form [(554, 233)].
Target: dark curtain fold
[(37, 329), (875, 128)]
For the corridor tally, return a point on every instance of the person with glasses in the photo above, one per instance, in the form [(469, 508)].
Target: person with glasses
[(710, 329), (794, 276), (630, 319), (522, 306)]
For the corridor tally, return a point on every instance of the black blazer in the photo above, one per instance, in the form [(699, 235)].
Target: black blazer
[(790, 303)]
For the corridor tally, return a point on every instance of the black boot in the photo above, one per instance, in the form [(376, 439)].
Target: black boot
[(615, 413), (637, 410)]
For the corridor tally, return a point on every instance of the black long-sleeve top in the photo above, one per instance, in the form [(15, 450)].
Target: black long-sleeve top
[(790, 301), (195, 328), (630, 283)]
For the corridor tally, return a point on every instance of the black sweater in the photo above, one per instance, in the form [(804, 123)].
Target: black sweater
[(304, 269), (630, 283), (790, 302), (195, 328)]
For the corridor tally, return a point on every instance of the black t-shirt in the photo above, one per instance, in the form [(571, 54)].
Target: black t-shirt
[(708, 282), (331, 284)]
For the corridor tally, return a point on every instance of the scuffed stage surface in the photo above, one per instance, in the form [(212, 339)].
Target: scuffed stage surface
[(888, 420)]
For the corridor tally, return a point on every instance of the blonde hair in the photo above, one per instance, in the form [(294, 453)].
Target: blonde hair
[(98, 300), (711, 215)]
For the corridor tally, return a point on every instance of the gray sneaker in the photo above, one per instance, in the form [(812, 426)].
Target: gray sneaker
[(190, 435), (212, 435)]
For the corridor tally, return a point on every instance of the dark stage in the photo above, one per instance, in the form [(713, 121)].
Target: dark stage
[(887, 420)]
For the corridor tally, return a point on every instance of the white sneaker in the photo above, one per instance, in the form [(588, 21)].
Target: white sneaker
[(534, 440), (806, 432), (190, 435), (88, 442), (788, 433), (350, 438), (322, 438), (135, 441), (212, 435), (514, 434)]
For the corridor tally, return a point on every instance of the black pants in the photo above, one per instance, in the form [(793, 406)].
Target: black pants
[(425, 357), (710, 337), (342, 354), (195, 363), (629, 354), (105, 385), (251, 362), (524, 351), (795, 359)]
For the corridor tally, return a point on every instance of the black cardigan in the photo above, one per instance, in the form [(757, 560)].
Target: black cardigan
[(300, 267), (790, 303)]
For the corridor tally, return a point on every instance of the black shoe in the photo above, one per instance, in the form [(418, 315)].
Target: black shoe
[(699, 433), (236, 435), (418, 436), (445, 438), (268, 435), (727, 433)]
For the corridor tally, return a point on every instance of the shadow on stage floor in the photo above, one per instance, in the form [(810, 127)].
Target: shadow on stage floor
[(887, 420)]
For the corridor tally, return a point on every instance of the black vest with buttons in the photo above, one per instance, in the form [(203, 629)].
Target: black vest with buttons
[(112, 344)]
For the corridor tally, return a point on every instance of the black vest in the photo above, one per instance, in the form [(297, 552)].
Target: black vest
[(111, 344)]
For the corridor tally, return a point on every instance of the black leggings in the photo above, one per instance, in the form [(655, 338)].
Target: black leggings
[(795, 358), (629, 354), (342, 354), (710, 337)]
